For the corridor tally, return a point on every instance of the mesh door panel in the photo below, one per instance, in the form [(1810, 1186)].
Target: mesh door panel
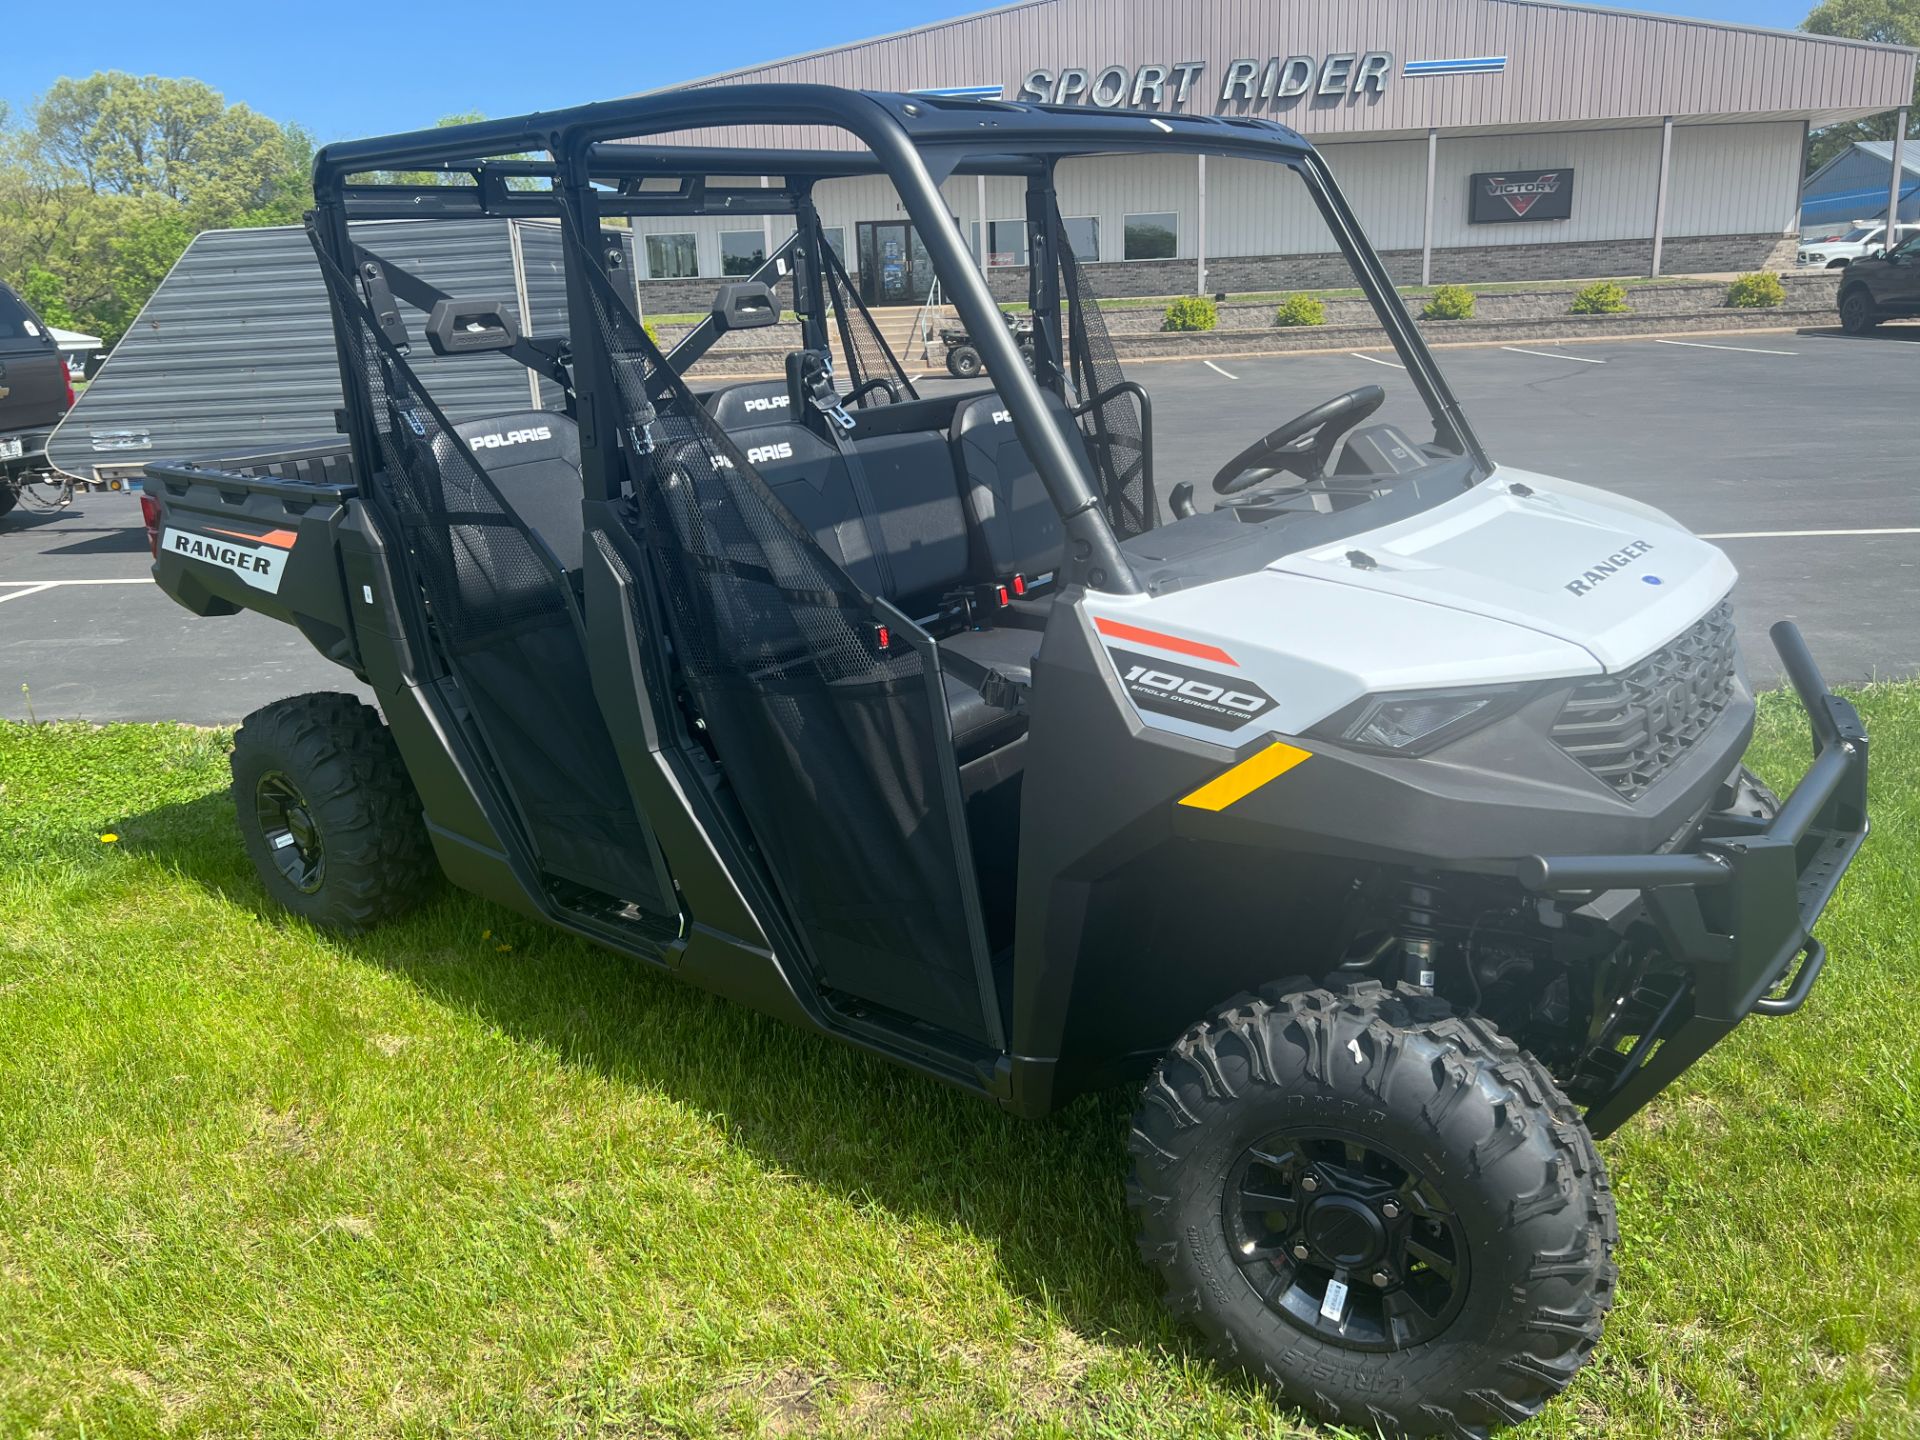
[(868, 355), (1112, 428), (828, 740), (497, 602)]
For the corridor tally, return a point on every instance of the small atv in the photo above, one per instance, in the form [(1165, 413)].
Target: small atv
[(963, 356), (1383, 819)]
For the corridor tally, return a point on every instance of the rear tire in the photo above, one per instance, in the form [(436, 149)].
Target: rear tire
[(9, 497), (1421, 1153), (327, 813), (1857, 315), (963, 362)]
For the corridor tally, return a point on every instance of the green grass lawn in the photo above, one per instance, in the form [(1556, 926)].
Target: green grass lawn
[(469, 1177)]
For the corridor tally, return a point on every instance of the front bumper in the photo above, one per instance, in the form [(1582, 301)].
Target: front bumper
[(1736, 910)]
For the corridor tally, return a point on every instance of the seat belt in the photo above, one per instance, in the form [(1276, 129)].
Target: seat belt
[(814, 378)]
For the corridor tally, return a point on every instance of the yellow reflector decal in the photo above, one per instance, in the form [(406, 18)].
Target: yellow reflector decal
[(1246, 777)]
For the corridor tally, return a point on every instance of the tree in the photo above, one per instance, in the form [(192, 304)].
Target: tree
[(1889, 22), (111, 177)]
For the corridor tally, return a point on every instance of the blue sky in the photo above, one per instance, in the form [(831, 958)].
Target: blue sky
[(355, 68)]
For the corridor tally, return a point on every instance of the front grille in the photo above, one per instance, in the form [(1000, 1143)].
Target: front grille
[(1631, 729)]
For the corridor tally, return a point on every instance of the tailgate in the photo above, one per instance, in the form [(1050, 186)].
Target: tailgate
[(230, 540)]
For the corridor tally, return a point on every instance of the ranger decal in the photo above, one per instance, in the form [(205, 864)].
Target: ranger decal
[(259, 565), (1614, 563)]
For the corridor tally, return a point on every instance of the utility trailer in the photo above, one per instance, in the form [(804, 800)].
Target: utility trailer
[(234, 349), (1376, 808)]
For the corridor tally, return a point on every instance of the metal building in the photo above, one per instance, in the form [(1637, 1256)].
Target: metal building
[(1479, 140)]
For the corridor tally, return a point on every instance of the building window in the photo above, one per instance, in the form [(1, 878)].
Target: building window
[(1006, 241), (672, 257), (1083, 237), (742, 251), (836, 241), (1152, 237)]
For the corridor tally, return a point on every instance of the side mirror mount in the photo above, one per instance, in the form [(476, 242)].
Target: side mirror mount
[(470, 327), (748, 305)]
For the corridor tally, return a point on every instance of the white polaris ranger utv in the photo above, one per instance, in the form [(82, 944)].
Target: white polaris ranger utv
[(1385, 815)]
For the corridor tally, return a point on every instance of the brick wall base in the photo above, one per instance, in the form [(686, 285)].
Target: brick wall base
[(1468, 265)]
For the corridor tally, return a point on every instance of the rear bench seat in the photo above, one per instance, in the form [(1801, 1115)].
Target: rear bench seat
[(912, 546)]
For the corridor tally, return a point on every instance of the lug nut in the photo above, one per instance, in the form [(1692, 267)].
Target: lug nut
[(1382, 1279), (1309, 1182), (1390, 1210), (1300, 1252)]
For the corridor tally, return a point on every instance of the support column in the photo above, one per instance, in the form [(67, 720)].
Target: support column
[(1426, 221), (980, 204), (1660, 194), (1200, 247), (1893, 184), (766, 223)]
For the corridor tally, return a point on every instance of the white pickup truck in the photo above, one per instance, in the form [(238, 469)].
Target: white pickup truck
[(1840, 249)]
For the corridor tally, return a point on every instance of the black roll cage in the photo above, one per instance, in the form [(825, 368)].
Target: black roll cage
[(916, 141)]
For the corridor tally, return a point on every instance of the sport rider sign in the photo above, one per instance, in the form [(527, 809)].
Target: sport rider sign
[(1510, 195)]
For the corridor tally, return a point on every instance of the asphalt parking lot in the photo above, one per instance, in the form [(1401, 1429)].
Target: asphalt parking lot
[(1798, 452)]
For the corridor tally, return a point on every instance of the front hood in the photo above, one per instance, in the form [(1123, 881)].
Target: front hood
[(1617, 578)]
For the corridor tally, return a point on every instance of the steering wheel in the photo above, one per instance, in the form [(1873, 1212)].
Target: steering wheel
[(1303, 445)]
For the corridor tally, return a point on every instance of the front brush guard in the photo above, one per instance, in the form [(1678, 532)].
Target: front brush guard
[(1736, 909)]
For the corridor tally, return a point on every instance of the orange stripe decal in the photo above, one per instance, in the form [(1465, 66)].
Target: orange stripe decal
[(279, 539), (1159, 641)]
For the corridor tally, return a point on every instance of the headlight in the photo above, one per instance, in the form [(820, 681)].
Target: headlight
[(1413, 722)]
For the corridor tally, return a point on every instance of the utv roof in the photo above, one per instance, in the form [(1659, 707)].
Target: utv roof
[(970, 136)]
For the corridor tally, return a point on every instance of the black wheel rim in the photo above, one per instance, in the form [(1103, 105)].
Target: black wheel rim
[(293, 839), (1305, 1208)]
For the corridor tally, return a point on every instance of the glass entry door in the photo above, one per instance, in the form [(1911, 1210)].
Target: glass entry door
[(895, 268)]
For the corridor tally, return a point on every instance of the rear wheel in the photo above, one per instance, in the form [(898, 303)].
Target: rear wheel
[(1857, 315), (963, 361), (327, 813), (8, 495), (1386, 1209)]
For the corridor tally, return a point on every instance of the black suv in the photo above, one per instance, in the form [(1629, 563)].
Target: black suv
[(1880, 287), (34, 393)]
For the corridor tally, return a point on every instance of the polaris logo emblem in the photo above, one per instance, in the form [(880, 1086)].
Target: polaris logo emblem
[(1612, 565), (771, 402), (760, 454), (258, 566), (1003, 417), (511, 437), (1160, 687)]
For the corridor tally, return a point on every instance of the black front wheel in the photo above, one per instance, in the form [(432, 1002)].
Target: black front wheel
[(327, 813), (963, 362), (1857, 315), (1386, 1209)]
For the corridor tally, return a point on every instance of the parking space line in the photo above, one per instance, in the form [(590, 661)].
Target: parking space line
[(30, 590), (1549, 355), (1743, 349), (49, 584), (1373, 360), (1217, 370), (1807, 534)]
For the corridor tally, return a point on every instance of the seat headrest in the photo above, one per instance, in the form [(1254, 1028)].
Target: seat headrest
[(522, 437), (759, 403), (986, 411)]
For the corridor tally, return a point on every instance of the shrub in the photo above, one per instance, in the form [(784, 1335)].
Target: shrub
[(1758, 291), (1449, 302), (1300, 310), (1191, 312), (1603, 297)]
